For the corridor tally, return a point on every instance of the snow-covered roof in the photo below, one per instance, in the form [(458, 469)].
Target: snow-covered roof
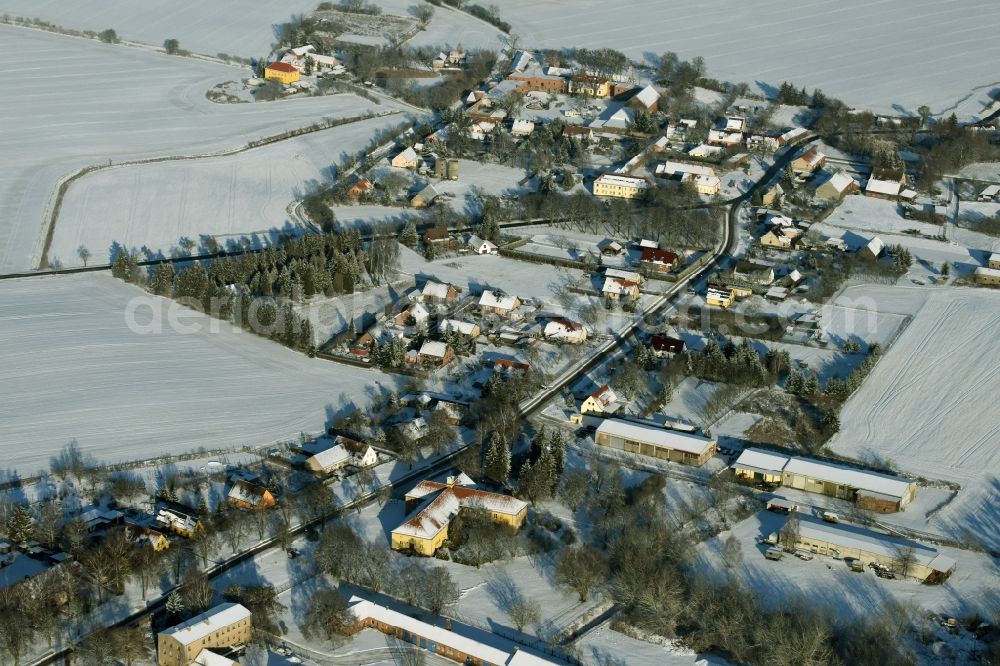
[(884, 484), (792, 134), (704, 150), (475, 242), (656, 435), (434, 348), (521, 125), (457, 326), (435, 289), (493, 299), (839, 181), (990, 191), (246, 492), (617, 286), (331, 457), (208, 658), (876, 543), (875, 246), (302, 50), (623, 180), (436, 515), (628, 276), (95, 515), (208, 622), (176, 519), (988, 272), (645, 242), (681, 168), (648, 96), (886, 187), (409, 154), (758, 460)]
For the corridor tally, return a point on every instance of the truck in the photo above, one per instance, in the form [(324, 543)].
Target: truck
[(773, 553)]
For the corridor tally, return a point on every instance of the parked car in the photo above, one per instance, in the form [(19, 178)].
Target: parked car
[(773, 554)]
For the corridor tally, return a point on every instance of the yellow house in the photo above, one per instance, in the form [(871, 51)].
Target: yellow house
[(427, 530), (601, 401), (584, 84), (703, 183), (738, 291), (281, 72), (719, 297), (222, 627), (620, 186)]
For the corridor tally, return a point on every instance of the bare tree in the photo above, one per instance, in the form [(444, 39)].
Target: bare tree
[(440, 590), (732, 552), (524, 611), (904, 557), (789, 535), (83, 253), (197, 591), (327, 616), (129, 644), (581, 568)]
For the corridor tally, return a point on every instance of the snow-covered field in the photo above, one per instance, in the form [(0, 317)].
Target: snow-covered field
[(928, 407), (452, 28), (73, 369), (227, 197), (890, 56), (61, 116)]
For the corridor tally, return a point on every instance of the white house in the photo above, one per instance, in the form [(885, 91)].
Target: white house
[(481, 246), (467, 328), (522, 127), (498, 302), (565, 330)]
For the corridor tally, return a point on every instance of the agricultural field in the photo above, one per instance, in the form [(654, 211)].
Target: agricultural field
[(920, 46), (125, 395), (922, 407), (154, 205), (154, 107)]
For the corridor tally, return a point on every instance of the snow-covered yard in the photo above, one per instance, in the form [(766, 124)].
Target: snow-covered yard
[(919, 60), (926, 406), (153, 106), (74, 370), (246, 194)]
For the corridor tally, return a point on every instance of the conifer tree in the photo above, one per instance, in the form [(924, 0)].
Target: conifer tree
[(19, 526), (497, 465)]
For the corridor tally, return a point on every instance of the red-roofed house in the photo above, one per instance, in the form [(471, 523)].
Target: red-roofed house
[(663, 345), (661, 261), (602, 401), (426, 531), (564, 330), (282, 72)]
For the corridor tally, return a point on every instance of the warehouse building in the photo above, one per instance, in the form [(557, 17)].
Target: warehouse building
[(655, 441)]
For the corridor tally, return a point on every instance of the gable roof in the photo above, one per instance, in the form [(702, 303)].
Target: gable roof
[(656, 434), (334, 455), (210, 621), (648, 96), (433, 348), (457, 326), (604, 395), (493, 299), (618, 286), (876, 246), (245, 491), (658, 256), (666, 343), (282, 67), (839, 181), (409, 154), (436, 515)]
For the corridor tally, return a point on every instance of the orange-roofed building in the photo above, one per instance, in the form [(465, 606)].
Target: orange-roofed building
[(282, 72)]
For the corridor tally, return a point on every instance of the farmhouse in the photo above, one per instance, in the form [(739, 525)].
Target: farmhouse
[(593, 86), (406, 160), (414, 315), (481, 246), (886, 184), (836, 187), (611, 248), (602, 401), (719, 297), (848, 541), (870, 490), (427, 530), (620, 186), (361, 187), (438, 292), (246, 495), (808, 161), (498, 303), (663, 346), (874, 249), (424, 198), (329, 460), (220, 628), (621, 274), (773, 195), (652, 439), (435, 353), (452, 640), (645, 99), (565, 330), (521, 127), (780, 237), (466, 329), (658, 261), (281, 72), (753, 273), (616, 288)]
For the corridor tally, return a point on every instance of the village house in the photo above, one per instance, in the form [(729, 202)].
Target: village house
[(705, 150), (874, 249), (724, 138), (782, 238), (498, 303), (452, 60), (99, 519), (722, 298), (424, 198), (611, 248), (990, 193), (664, 346), (592, 86), (146, 537), (773, 195), (413, 430), (887, 184), (842, 541), (622, 274), (768, 141), (435, 353), (438, 293), (602, 401), (521, 127), (329, 460), (507, 365), (437, 505), (836, 187), (450, 640), (747, 271), (281, 72), (620, 186), (466, 329), (407, 159), (246, 495), (481, 246), (616, 288), (415, 315), (453, 411), (217, 630), (579, 132), (679, 170), (565, 330), (808, 162), (655, 441), (361, 187), (658, 261), (870, 490), (179, 523), (645, 99)]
